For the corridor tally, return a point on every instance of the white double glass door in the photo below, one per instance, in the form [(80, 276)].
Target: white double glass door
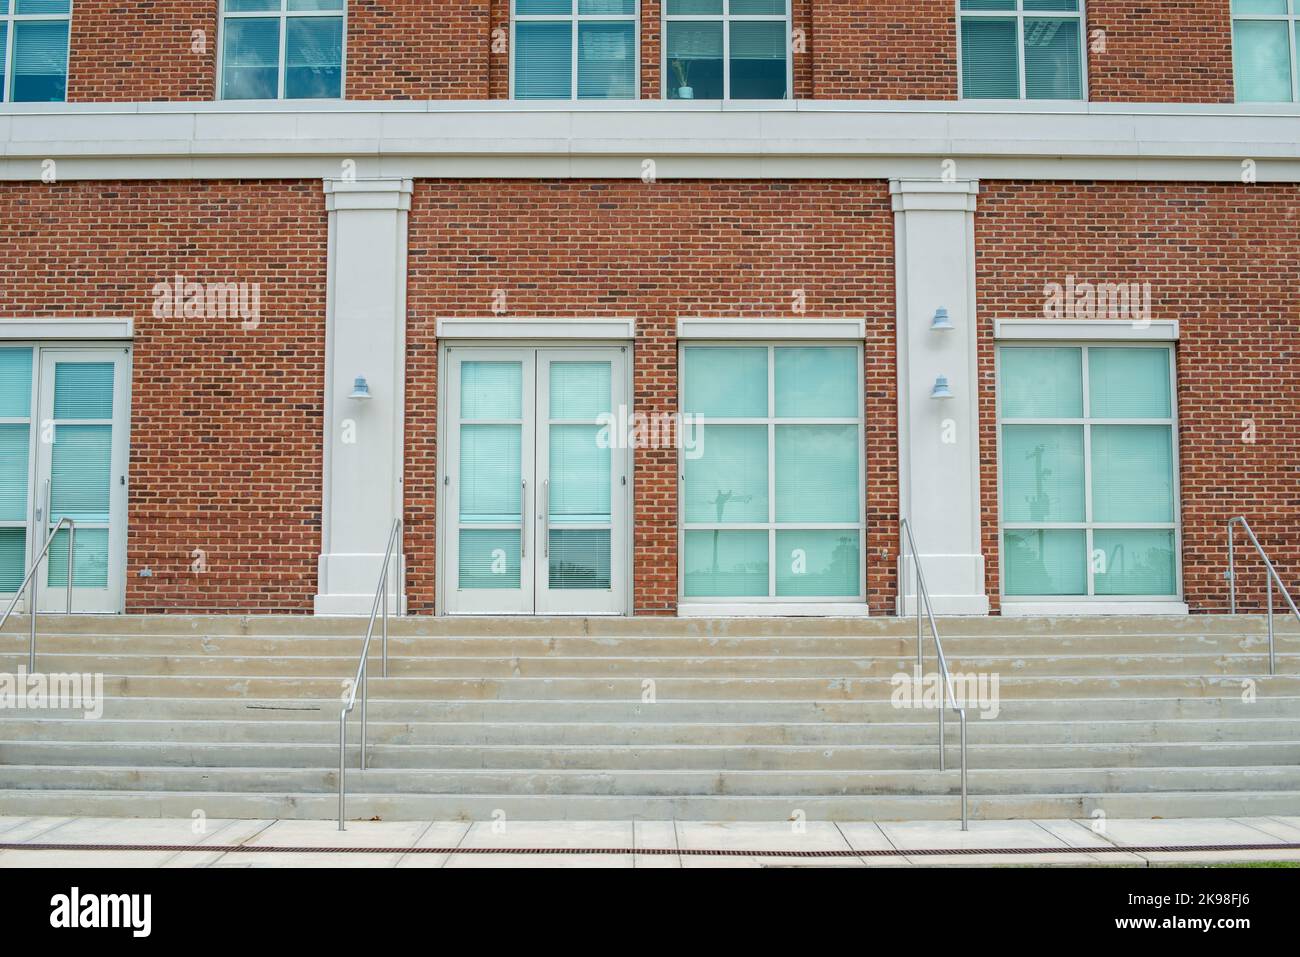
[(63, 452), (536, 482)]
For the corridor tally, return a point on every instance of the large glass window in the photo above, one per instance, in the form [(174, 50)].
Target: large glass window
[(773, 507), (34, 50), (1022, 49), (726, 49), (1088, 471), (574, 49), (282, 49), (1265, 38)]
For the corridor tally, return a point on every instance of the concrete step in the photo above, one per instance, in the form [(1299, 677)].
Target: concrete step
[(640, 667), (635, 732), (654, 782), (783, 758)]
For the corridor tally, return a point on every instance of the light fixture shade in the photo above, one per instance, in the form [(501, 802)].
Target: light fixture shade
[(941, 390), (360, 388), (941, 320)]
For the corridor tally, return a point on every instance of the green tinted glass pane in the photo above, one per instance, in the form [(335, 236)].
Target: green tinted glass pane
[(1045, 561), (83, 390), (817, 382), (491, 390), (988, 4), (1133, 561), (989, 63), (579, 390), (726, 382), (13, 559), (90, 560), (249, 6), (1051, 4), (725, 564), (15, 382), (250, 64), (535, 7), (818, 563), (4, 48), (1132, 473), (579, 558), (693, 60), (543, 60), (817, 473), (607, 6), (1128, 383), (1053, 59), (1261, 57), (489, 473), (1041, 383), (80, 463), (40, 61), (1259, 6), (41, 6), (1042, 473), (313, 53), (694, 6), (758, 55), (580, 474), (607, 61), (315, 4), (728, 483), (488, 558), (15, 443), (759, 7)]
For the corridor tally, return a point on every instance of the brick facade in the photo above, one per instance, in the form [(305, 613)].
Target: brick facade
[(166, 50), (1222, 260), (1163, 51), (418, 49), (653, 253), (225, 422)]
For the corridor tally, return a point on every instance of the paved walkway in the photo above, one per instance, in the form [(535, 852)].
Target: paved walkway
[(154, 842)]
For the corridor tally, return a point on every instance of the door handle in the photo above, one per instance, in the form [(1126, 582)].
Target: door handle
[(523, 521), (42, 505), (546, 518)]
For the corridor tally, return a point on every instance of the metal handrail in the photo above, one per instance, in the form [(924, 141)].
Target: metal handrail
[(1270, 578), (31, 578), (362, 679), (908, 543)]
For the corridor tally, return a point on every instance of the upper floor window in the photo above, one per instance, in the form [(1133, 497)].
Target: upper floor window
[(727, 49), (281, 49), (574, 50), (1265, 37), (1021, 49), (34, 50)]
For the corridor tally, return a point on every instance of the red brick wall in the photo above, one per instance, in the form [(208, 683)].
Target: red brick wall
[(653, 253), (1164, 51), (139, 52), (418, 49), (884, 50), (1223, 260), (225, 422)]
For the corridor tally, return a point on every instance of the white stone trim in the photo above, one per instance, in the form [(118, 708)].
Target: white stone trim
[(1056, 609), (686, 609), (66, 329), (517, 329), (772, 329), (1086, 330)]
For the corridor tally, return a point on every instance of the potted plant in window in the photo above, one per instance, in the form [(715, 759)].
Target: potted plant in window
[(683, 70)]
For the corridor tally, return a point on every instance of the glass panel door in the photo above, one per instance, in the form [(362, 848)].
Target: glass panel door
[(81, 474)]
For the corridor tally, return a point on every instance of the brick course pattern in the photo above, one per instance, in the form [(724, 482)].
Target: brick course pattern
[(225, 422), (142, 52), (885, 50), (418, 49), (1222, 259), (653, 253)]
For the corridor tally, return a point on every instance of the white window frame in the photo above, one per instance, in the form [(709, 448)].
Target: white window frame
[(575, 18), (284, 14), (9, 18), (726, 18), (773, 602), (1292, 20), (1173, 601), (1019, 14)]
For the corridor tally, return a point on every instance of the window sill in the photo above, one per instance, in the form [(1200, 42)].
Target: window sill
[(787, 609), (1049, 609)]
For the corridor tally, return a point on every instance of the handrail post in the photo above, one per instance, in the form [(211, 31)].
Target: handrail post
[(72, 548), (343, 771), (1232, 569), (962, 714), (32, 592), (1272, 662), (365, 693)]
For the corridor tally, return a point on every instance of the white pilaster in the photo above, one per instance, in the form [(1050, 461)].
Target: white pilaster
[(934, 244), (365, 336)]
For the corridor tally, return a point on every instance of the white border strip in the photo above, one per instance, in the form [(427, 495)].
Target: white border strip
[(621, 329), (65, 329), (772, 329), (1057, 609), (1087, 330)]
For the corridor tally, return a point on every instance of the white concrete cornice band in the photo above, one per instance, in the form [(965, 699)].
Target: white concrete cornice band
[(1086, 330), (800, 139), (853, 329), (522, 329), (66, 329), (392, 194)]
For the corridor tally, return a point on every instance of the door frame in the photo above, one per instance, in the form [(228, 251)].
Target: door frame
[(443, 461)]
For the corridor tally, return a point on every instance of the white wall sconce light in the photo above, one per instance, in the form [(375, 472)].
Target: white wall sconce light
[(360, 389), (941, 321), (941, 389)]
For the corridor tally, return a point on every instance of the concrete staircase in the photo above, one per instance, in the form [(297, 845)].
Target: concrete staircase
[(656, 718)]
